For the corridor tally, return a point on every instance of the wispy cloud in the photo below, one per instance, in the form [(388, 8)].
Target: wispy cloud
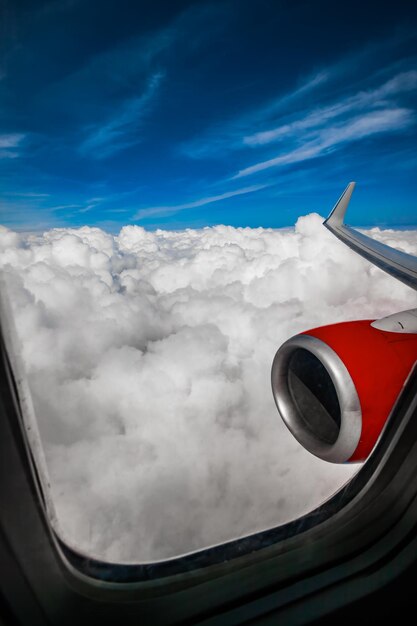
[(229, 136), (27, 194), (166, 210), (10, 144), (406, 81), (296, 111), (128, 63), (122, 130), (327, 140)]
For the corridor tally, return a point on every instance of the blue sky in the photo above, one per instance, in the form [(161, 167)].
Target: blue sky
[(188, 114)]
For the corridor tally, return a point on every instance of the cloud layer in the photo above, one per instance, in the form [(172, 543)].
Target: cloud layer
[(148, 356)]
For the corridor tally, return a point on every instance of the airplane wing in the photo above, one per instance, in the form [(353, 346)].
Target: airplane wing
[(399, 264), (319, 377)]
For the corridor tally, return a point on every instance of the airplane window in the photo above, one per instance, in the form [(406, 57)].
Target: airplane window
[(148, 357), (165, 180)]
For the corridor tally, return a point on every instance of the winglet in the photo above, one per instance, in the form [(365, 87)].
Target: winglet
[(399, 264), (337, 214)]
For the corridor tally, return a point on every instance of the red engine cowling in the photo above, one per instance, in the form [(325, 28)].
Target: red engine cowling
[(336, 385)]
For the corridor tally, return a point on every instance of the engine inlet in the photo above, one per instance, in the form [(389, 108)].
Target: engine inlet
[(316, 397)]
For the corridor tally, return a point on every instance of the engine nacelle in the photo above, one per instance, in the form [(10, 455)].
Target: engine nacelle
[(336, 385)]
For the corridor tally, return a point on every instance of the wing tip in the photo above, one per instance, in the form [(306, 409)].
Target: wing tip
[(337, 214)]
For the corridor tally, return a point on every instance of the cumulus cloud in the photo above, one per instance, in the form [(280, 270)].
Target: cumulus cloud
[(148, 357)]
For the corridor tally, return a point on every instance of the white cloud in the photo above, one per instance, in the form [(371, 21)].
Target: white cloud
[(174, 208), (148, 356), (317, 132), (328, 139), (9, 145), (402, 83), (121, 130), (302, 130)]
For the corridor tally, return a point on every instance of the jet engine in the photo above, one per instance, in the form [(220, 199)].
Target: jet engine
[(335, 386)]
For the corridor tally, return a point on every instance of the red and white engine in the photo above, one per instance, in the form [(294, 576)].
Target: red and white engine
[(335, 386)]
